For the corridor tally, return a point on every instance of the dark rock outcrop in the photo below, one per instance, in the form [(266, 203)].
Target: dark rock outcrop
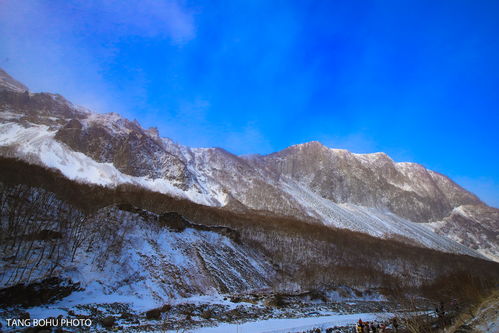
[(43, 292)]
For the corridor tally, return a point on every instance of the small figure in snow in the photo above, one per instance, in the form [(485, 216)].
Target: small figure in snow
[(360, 326), (395, 324), (441, 315)]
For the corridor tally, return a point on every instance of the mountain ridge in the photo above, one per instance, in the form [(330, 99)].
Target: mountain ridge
[(309, 180)]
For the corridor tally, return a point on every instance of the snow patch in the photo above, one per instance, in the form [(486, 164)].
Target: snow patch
[(38, 141)]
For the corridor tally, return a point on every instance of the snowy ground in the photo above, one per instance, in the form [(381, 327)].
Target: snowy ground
[(189, 315), (295, 324)]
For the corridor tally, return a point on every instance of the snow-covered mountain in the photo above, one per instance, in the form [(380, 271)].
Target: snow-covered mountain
[(369, 193)]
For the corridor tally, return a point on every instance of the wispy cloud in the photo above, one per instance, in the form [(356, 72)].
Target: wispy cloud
[(147, 18), (51, 47), (190, 125), (249, 140)]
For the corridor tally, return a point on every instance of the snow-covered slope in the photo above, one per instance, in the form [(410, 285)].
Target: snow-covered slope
[(133, 256), (474, 226), (36, 144), (154, 264), (364, 192), (373, 221)]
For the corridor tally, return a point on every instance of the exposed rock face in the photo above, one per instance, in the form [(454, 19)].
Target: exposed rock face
[(364, 192), (42, 108), (372, 180), (248, 187), (173, 221), (124, 144)]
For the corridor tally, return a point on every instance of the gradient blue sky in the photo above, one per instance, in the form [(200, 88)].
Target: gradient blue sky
[(416, 79)]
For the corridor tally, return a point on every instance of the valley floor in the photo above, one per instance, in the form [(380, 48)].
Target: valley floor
[(217, 314), (339, 322)]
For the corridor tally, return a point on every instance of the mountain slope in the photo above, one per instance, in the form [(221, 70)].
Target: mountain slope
[(363, 192), (372, 180), (131, 245), (117, 253), (7, 82)]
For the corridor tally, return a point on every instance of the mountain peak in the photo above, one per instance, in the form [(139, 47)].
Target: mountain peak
[(308, 145), (313, 143)]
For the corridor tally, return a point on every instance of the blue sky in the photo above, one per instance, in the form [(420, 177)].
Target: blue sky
[(416, 79)]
